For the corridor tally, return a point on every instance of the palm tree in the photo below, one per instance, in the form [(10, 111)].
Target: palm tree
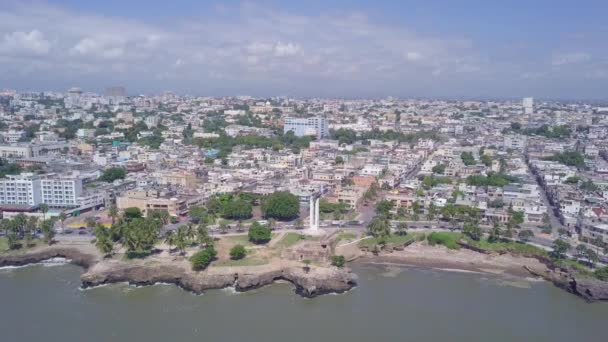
[(19, 222), (113, 213), (170, 240), (402, 228), (432, 210), (202, 235), (62, 217), (190, 232), (103, 240), (30, 229), (44, 208), (181, 240), (47, 231)]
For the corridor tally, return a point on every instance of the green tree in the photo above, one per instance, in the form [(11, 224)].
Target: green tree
[(47, 231), (103, 240), (259, 234), (525, 235), (202, 236), (560, 247), (62, 217), (159, 214), (113, 213), (281, 205), (439, 169), (132, 213), (12, 239), (112, 174), (415, 211), (384, 208), (339, 160), (402, 228), (472, 230), (30, 230), (181, 238), (238, 252), (201, 259), (237, 210), (431, 212), (379, 227), (170, 239), (495, 233), (44, 208)]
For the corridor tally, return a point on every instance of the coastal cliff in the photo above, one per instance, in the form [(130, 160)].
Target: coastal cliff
[(308, 283), (586, 287)]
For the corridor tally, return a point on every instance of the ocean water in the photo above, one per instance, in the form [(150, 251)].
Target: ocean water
[(39, 303)]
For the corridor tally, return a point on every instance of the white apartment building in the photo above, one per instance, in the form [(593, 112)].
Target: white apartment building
[(12, 136), (61, 192), (32, 190), (528, 105), (307, 126), (152, 121), (20, 190)]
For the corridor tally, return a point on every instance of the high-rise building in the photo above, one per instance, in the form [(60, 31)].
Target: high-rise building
[(528, 104), (116, 91), (316, 126), (32, 190)]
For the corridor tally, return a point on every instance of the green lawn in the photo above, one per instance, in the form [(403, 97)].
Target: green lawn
[(393, 239), (450, 240), (447, 239), (252, 259), (512, 247), (347, 236), (4, 245), (238, 240), (289, 240)]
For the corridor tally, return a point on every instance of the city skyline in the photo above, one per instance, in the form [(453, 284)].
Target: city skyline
[(328, 49)]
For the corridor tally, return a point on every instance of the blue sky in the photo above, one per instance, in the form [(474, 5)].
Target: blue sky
[(471, 49)]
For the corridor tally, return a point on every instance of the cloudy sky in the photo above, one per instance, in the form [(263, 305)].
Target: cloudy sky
[(424, 48)]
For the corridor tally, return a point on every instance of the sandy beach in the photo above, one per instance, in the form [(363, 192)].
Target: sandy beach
[(420, 254)]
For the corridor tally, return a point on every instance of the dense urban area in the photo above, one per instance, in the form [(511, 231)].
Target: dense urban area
[(238, 181)]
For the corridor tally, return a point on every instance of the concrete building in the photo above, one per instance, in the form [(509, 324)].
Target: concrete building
[(151, 199), (316, 126), (20, 190), (528, 105), (152, 121), (32, 190)]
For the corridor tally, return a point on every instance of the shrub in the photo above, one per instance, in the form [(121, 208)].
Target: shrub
[(338, 261), (238, 252), (602, 274), (259, 234), (201, 259), (449, 240)]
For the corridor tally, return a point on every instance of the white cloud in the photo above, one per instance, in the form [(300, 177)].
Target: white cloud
[(412, 56), (260, 48), (570, 58), (18, 42), (286, 50)]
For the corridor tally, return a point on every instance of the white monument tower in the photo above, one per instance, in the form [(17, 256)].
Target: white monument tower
[(313, 226)]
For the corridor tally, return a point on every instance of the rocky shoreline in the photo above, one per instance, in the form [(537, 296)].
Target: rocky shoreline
[(308, 283), (311, 283)]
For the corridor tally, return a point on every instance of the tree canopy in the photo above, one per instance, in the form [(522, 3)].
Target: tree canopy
[(281, 205)]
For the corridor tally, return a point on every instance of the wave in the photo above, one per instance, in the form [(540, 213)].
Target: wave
[(46, 263)]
